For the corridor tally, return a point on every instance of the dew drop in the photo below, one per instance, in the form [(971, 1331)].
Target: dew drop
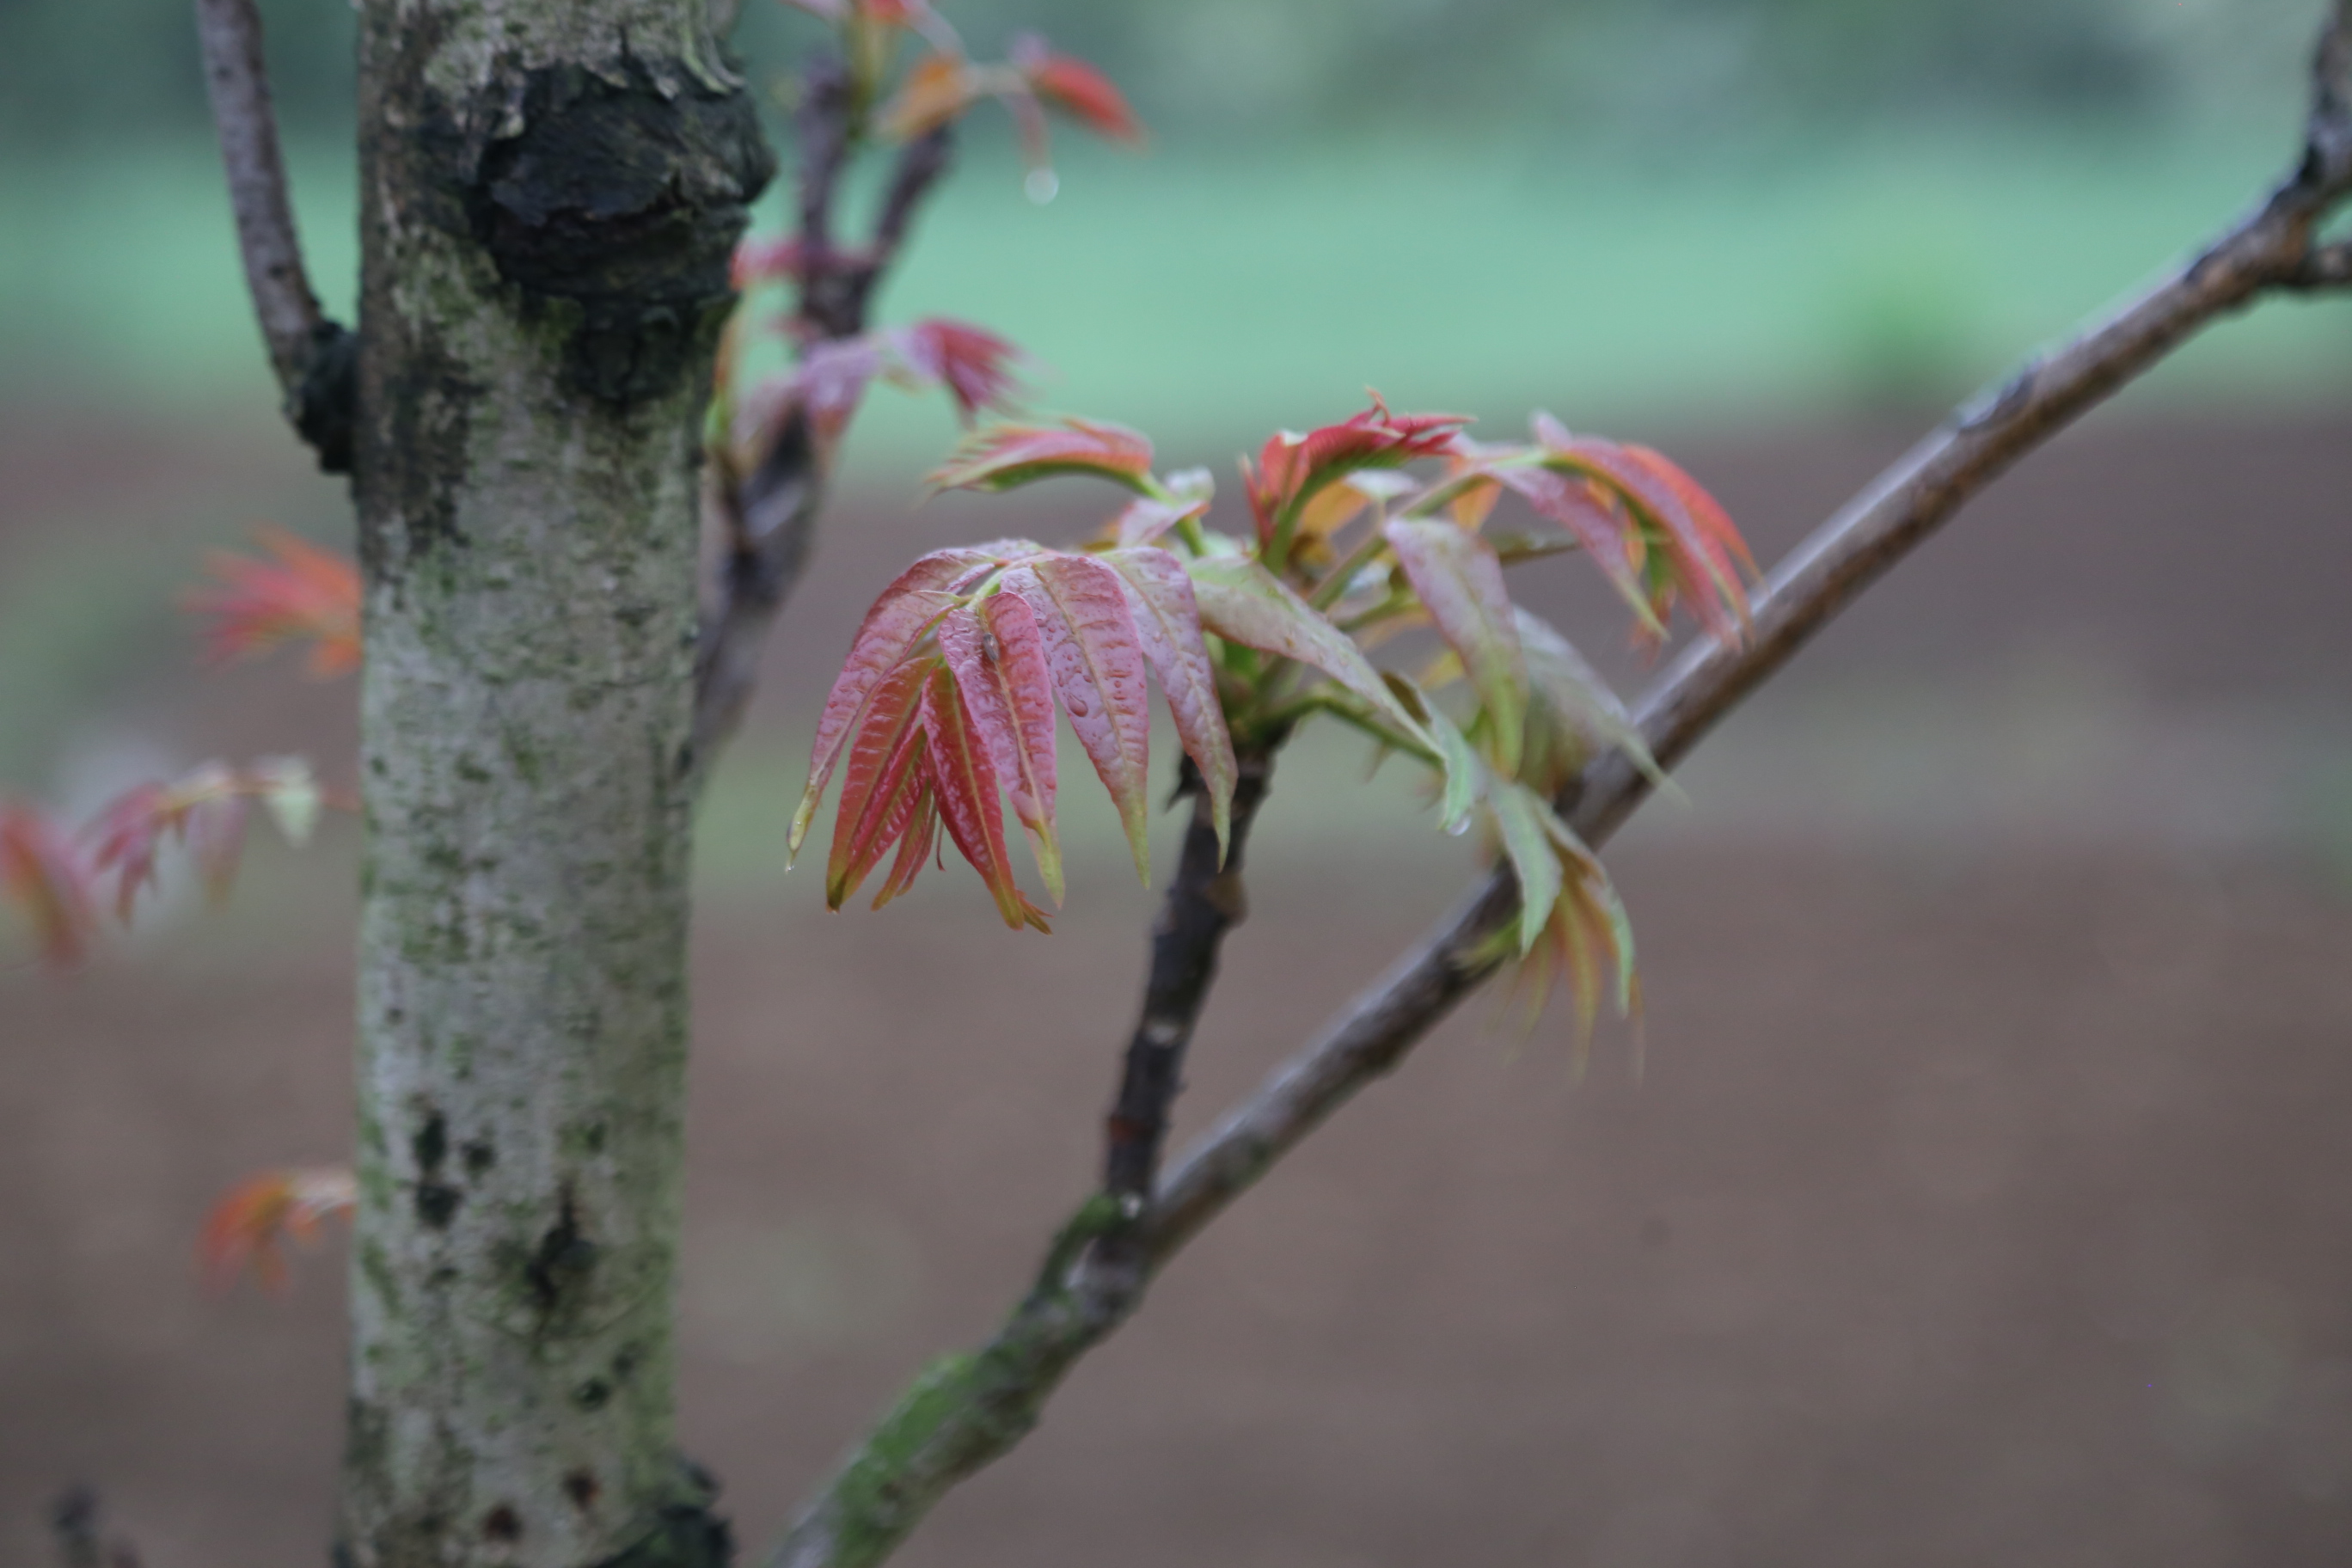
[(1077, 707), (1042, 186), (1459, 827)]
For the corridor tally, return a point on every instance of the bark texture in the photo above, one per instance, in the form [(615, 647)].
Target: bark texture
[(551, 190)]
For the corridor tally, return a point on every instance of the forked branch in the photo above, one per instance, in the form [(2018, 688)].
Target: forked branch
[(767, 522), (314, 357), (968, 1410)]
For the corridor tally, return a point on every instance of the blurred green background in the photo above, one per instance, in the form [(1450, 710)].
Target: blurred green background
[(1715, 210)]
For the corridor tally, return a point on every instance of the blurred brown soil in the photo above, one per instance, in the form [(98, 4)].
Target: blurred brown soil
[(1972, 1206)]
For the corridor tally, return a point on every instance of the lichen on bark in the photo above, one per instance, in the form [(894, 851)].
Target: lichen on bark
[(550, 191)]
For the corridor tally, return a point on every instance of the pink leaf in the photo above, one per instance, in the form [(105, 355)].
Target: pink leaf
[(43, 876), (906, 610), (965, 784), (1000, 456), (877, 788), (1098, 664), (998, 656), (916, 840), (1168, 621)]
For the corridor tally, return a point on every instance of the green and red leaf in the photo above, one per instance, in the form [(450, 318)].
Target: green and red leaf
[(1572, 715), (965, 786), (1243, 603), (907, 609), (997, 654), (1520, 823), (1460, 584), (1168, 621), (1679, 555), (1098, 664), (1292, 468), (1001, 456)]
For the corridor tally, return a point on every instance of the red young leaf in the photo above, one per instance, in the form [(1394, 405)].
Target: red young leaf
[(1291, 468), (973, 364), (906, 610), (305, 593), (1711, 519), (1597, 522), (916, 841), (43, 876), (1076, 88), (1688, 558), (1096, 661), (1243, 601), (253, 1221), (964, 782), (1168, 621), (877, 782), (1000, 456), (998, 656), (1460, 583)]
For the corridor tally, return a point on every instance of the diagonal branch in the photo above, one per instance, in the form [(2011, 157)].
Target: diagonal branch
[(315, 358), (968, 1410), (769, 520)]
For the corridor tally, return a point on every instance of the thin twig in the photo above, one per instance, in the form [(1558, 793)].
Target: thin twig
[(311, 355), (769, 521), (968, 1410), (1205, 903)]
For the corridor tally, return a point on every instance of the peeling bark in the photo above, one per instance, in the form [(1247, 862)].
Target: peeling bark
[(550, 191)]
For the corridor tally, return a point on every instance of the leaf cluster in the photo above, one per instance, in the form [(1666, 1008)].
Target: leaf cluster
[(1359, 529)]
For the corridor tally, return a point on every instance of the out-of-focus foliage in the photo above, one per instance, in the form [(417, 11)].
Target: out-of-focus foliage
[(83, 70)]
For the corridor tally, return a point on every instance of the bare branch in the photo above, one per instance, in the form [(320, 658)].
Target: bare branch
[(1203, 903), (769, 521), (313, 356), (968, 1410)]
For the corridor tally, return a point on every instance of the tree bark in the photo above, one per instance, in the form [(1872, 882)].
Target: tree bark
[(551, 191)]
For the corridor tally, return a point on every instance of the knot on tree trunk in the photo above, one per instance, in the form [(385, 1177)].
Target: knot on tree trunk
[(614, 195)]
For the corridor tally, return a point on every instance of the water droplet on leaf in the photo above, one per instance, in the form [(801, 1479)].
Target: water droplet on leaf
[(1042, 186)]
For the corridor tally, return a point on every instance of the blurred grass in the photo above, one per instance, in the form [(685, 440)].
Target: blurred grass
[(1207, 296)]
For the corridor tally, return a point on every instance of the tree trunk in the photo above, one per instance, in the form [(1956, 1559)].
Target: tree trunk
[(551, 190)]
